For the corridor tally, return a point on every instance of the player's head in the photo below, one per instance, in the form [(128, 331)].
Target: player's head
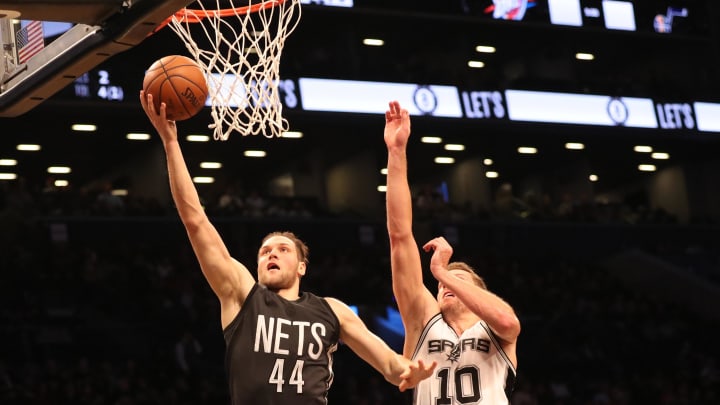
[(446, 297), (282, 260)]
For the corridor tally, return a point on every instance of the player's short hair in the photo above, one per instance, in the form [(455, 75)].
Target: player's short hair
[(303, 252), (466, 267)]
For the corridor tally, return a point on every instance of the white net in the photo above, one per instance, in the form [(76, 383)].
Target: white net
[(239, 48)]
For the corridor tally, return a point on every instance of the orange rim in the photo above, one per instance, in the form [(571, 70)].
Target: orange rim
[(197, 15)]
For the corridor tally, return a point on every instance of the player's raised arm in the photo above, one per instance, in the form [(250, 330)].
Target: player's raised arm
[(396, 369), (229, 279), (415, 302)]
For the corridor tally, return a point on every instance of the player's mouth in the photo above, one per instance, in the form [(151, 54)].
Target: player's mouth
[(273, 267), (448, 294)]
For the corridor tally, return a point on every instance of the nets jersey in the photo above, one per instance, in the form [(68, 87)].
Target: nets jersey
[(471, 369), (279, 352)]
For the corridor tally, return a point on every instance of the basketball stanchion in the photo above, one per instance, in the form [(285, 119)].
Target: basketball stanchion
[(239, 50)]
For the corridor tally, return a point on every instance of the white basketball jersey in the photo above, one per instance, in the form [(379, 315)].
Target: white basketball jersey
[(471, 369)]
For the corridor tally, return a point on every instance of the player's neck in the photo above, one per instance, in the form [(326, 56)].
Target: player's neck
[(290, 294), (460, 320)]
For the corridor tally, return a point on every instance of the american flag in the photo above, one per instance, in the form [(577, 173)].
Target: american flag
[(29, 40)]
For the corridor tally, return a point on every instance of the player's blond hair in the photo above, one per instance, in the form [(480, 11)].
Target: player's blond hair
[(303, 252), (467, 268)]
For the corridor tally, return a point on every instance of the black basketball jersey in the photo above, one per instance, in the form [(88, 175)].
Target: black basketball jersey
[(280, 352)]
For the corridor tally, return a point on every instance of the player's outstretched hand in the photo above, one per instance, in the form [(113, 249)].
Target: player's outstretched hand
[(416, 372), (166, 128), (397, 126)]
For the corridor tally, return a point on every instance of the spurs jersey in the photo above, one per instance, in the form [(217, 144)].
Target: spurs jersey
[(471, 369), (280, 352)]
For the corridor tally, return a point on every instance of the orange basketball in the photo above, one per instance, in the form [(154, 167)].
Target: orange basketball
[(179, 82)]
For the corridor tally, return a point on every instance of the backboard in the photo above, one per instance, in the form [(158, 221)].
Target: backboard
[(96, 30)]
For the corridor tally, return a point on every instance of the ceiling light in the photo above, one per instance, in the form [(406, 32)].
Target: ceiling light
[(593, 178), (8, 162), (485, 49), (584, 56), (198, 138), (382, 188), (647, 168), (442, 160), (61, 183), (28, 147), (383, 171), (488, 162), (255, 153), (210, 165), (574, 146), (121, 192), (292, 134), (134, 136), (660, 156), (373, 42), (8, 176), (84, 127), (203, 180), (492, 175), (643, 149), (454, 147), (431, 139), (476, 64), (527, 150), (58, 169)]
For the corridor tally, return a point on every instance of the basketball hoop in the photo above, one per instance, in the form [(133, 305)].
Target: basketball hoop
[(241, 61)]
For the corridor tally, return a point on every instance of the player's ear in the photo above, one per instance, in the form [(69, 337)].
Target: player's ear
[(302, 268)]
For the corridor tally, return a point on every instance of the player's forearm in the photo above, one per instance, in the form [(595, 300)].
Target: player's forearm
[(182, 188), (398, 197)]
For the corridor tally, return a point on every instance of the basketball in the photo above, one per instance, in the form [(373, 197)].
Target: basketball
[(180, 83)]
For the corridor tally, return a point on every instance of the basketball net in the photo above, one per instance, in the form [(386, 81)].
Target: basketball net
[(240, 55)]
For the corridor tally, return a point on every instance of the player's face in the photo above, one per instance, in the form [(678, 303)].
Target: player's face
[(278, 264), (446, 297)]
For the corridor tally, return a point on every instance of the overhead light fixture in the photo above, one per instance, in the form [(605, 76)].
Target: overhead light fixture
[(454, 147), (647, 168), (210, 165), (443, 160), (28, 147), (485, 49), (8, 162), (584, 56), (476, 64), (382, 188), (643, 149), (488, 162), (574, 146), (431, 139), (593, 178), (120, 192), (58, 170), (255, 153), (203, 180), (527, 150), (8, 176), (660, 156), (492, 175), (197, 138), (84, 127), (61, 183), (292, 134), (373, 42), (383, 171), (136, 136)]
